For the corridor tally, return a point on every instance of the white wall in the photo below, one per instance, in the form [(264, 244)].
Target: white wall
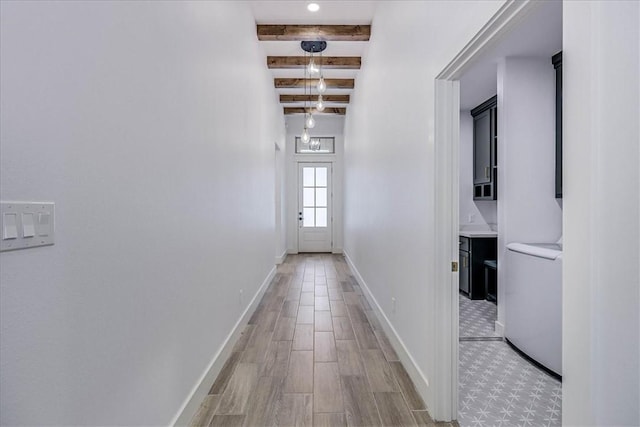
[(474, 214), (527, 208), (281, 202), (326, 125), (151, 125), (601, 188), (389, 162)]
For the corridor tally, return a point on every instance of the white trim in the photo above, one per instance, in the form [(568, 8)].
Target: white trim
[(418, 377), (499, 328), (445, 392), (200, 390), (280, 258), (447, 145), (337, 251), (507, 16)]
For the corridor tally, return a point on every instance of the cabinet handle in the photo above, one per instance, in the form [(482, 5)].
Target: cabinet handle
[(464, 262), (487, 169)]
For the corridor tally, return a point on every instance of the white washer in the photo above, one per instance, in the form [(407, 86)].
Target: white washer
[(533, 302)]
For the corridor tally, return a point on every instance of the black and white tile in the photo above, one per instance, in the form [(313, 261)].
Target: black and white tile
[(497, 386), (477, 318)]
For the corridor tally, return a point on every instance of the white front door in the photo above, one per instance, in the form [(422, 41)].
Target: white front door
[(314, 207)]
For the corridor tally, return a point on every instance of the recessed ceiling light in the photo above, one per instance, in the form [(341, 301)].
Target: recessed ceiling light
[(313, 7)]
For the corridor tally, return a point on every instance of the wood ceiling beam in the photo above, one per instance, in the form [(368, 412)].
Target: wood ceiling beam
[(327, 62), (328, 110), (342, 99), (300, 83), (314, 32)]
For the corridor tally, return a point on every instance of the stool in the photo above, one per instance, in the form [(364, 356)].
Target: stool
[(491, 280)]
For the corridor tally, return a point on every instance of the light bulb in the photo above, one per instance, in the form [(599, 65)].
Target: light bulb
[(313, 7), (322, 86), (313, 68), (305, 136), (311, 123), (320, 103)]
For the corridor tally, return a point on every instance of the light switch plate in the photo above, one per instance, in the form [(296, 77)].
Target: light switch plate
[(38, 227)]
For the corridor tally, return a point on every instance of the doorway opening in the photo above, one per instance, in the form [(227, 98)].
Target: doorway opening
[(479, 218)]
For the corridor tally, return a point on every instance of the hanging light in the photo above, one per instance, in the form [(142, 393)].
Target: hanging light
[(311, 122), (322, 85), (320, 103), (305, 136), (312, 68)]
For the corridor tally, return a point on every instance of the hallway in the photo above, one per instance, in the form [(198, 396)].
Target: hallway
[(313, 353)]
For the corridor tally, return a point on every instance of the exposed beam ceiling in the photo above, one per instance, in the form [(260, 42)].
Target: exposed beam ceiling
[(328, 110), (314, 32), (342, 99), (327, 62), (301, 83)]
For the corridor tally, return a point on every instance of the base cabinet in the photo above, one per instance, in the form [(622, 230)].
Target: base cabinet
[(474, 251)]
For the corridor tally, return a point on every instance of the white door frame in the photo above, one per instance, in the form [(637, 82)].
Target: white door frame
[(447, 146)]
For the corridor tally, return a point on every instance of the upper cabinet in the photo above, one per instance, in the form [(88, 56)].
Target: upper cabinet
[(557, 64), (485, 135)]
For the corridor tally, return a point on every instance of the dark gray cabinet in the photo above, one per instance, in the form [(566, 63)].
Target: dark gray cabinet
[(464, 271), (557, 64), (474, 251), (485, 134)]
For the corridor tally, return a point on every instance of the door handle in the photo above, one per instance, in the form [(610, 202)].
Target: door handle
[(486, 171), (464, 262)]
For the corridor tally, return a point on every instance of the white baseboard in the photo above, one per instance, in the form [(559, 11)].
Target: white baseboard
[(337, 251), (201, 389), (281, 257), (419, 379), (499, 328)]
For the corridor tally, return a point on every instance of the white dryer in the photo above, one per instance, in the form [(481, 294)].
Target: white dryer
[(533, 302)]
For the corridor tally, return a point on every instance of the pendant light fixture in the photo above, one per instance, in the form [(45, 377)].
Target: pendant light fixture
[(312, 69)]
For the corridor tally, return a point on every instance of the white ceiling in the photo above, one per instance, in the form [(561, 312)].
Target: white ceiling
[(331, 12), (538, 35)]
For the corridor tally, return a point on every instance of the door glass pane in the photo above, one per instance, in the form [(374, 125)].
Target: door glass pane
[(309, 217), (321, 197), (308, 179), (308, 199), (321, 217), (321, 177)]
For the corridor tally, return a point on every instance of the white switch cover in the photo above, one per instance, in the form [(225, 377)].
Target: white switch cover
[(9, 226), (30, 223), (28, 227)]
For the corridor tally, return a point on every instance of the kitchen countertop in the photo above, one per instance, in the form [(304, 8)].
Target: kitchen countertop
[(478, 233)]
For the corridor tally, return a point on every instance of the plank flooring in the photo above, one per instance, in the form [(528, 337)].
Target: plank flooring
[(313, 354)]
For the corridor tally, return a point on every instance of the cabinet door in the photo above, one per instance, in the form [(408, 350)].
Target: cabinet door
[(482, 148), (464, 272)]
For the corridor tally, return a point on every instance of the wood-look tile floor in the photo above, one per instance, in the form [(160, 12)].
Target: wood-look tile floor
[(313, 353)]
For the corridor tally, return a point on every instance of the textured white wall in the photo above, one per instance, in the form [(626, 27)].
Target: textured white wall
[(151, 125), (601, 189), (328, 125), (389, 159)]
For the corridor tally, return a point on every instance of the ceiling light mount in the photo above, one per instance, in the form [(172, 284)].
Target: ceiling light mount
[(313, 46)]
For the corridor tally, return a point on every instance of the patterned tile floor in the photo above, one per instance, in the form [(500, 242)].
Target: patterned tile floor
[(477, 318), (497, 387)]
